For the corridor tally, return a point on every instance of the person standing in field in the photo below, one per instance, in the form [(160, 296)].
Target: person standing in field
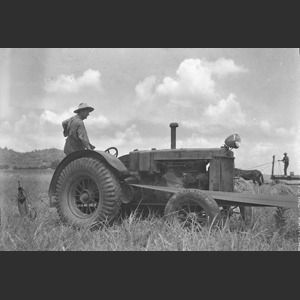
[(286, 161), (74, 130)]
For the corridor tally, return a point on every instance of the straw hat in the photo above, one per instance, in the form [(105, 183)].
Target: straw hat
[(83, 106)]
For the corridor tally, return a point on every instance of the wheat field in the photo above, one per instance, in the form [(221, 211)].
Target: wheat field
[(131, 233)]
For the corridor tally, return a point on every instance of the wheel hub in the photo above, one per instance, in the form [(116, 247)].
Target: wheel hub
[(192, 216), (85, 197), (191, 213)]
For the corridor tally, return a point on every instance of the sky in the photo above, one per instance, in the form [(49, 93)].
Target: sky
[(138, 92)]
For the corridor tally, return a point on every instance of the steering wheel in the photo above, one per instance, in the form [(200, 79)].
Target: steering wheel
[(112, 148)]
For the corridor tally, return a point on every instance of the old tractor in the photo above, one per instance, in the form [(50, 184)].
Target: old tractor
[(90, 187)]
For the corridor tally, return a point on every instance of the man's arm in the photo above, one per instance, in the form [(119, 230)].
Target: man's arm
[(85, 143), (65, 126), (82, 135)]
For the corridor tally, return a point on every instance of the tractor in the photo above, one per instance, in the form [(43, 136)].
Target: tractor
[(92, 187)]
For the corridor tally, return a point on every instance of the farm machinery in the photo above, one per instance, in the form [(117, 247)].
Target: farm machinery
[(195, 184)]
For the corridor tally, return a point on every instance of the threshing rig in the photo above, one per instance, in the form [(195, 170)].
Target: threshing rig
[(91, 187)]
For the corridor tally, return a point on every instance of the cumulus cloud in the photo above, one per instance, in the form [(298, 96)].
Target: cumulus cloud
[(70, 84), (144, 89), (226, 111), (224, 67), (190, 98), (193, 78)]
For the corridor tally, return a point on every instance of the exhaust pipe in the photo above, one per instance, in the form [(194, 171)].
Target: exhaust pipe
[(173, 135)]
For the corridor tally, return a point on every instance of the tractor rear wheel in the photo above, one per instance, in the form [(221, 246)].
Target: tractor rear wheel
[(193, 206), (88, 193)]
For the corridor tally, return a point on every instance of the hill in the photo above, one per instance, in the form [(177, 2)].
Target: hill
[(46, 158)]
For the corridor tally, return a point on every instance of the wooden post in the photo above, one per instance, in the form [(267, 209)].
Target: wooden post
[(273, 166)]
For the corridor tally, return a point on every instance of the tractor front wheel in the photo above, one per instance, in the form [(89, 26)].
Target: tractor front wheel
[(88, 193), (193, 206)]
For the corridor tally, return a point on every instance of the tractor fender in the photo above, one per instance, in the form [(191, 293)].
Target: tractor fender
[(117, 166)]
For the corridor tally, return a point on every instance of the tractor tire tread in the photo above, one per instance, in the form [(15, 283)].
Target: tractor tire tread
[(110, 189)]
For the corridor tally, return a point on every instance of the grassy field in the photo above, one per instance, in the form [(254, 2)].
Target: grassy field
[(132, 233)]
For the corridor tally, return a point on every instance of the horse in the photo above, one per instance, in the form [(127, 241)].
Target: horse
[(254, 175)]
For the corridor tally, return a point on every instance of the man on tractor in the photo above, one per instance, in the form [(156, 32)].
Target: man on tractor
[(74, 130)]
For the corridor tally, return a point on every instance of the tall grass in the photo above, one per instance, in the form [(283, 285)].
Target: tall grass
[(131, 233)]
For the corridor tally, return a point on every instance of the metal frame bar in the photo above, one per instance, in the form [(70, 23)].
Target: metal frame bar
[(227, 198)]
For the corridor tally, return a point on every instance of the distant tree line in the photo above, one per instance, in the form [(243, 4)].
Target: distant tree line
[(52, 165), (29, 167), (36, 159), (4, 167)]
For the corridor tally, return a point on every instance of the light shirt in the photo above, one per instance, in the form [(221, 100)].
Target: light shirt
[(77, 138)]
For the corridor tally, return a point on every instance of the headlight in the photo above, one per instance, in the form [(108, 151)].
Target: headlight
[(233, 141)]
